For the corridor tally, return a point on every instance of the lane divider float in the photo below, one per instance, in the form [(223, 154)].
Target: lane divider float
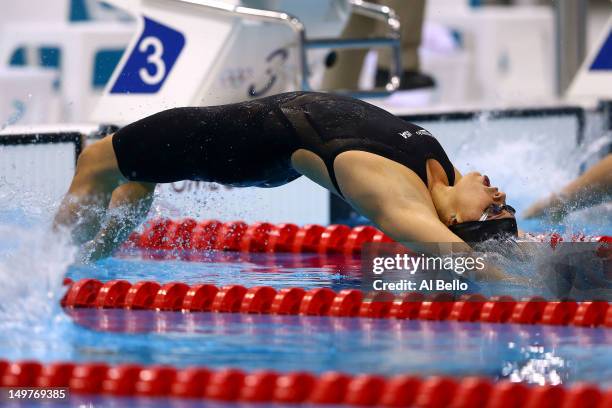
[(178, 296), (268, 386), (189, 234)]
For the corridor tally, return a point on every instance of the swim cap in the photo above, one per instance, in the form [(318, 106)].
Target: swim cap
[(480, 231)]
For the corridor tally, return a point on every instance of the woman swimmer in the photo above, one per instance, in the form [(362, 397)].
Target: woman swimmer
[(393, 172)]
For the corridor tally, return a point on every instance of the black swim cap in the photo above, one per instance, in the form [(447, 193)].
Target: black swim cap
[(480, 231)]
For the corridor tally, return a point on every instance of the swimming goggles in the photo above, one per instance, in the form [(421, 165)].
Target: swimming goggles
[(495, 209)]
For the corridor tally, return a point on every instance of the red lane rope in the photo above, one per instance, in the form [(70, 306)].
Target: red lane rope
[(177, 296), (189, 234), (268, 386), (258, 237)]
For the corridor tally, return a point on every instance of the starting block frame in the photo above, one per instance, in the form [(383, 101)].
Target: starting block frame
[(157, 71)]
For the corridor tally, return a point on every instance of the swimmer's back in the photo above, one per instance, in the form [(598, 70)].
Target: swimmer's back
[(331, 124), (251, 143)]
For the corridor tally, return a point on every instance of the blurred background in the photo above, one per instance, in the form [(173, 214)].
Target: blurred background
[(530, 80), (57, 56)]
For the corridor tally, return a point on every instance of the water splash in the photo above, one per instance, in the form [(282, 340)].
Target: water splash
[(538, 366), (31, 273), (33, 262), (595, 146), (522, 159)]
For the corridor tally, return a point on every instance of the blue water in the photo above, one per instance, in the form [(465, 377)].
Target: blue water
[(32, 266), (334, 271), (535, 354), (279, 270), (532, 354), (37, 329)]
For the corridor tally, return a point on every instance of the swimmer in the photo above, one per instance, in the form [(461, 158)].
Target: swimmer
[(393, 172), (593, 187)]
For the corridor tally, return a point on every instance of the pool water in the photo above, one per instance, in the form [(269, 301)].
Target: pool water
[(339, 272), (219, 268), (534, 354), (33, 326), (551, 355), (33, 264)]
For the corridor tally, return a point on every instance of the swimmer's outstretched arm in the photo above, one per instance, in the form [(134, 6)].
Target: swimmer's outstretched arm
[(128, 206), (424, 232), (591, 188), (404, 212), (384, 192)]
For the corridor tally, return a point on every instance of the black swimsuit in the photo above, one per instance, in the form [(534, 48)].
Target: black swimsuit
[(251, 143)]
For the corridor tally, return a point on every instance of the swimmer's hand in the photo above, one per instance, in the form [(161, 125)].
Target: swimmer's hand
[(553, 208)]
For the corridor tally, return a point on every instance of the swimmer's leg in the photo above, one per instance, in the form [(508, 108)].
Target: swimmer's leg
[(84, 206), (128, 206)]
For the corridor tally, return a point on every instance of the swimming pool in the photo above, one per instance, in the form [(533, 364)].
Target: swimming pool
[(531, 354), (34, 327)]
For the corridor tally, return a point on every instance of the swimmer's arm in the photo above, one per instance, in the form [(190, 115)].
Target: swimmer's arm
[(384, 193), (592, 187), (425, 232), (129, 204), (415, 223), (408, 220)]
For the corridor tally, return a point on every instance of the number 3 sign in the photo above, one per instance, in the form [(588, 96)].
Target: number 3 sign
[(151, 59)]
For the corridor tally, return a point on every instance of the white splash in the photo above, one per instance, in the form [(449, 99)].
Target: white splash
[(33, 262), (540, 366), (524, 165)]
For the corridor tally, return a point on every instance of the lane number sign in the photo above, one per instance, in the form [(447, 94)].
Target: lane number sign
[(151, 60)]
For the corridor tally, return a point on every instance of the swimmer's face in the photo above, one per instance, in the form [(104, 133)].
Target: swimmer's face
[(473, 195)]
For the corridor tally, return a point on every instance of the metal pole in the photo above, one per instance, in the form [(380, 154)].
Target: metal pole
[(570, 33)]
